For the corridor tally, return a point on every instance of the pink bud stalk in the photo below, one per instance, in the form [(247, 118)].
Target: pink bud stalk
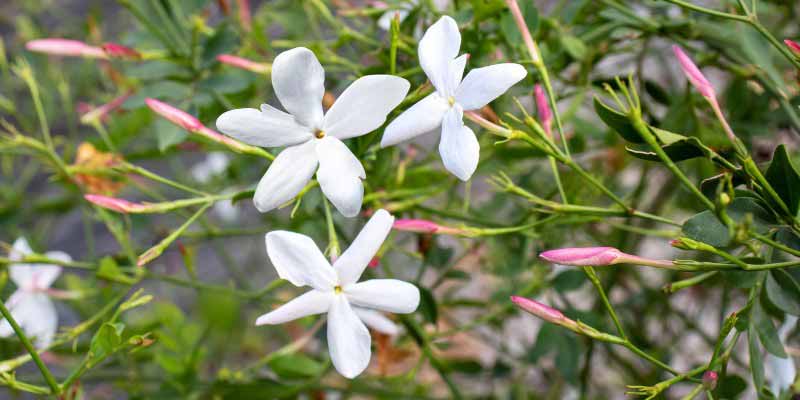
[(598, 257), (101, 112), (543, 110), (115, 50), (174, 115), (425, 226), (488, 125), (793, 46), (115, 204), (699, 81), (245, 64), (544, 312), (65, 47), (244, 14), (523, 29)]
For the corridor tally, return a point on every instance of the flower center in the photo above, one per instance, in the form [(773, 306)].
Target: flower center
[(337, 289), (319, 133), (451, 100)]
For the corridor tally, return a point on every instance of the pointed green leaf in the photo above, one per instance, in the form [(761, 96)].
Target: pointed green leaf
[(783, 177)]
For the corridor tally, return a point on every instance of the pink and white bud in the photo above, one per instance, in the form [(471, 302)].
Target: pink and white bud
[(243, 63), (599, 257), (542, 311), (99, 113), (115, 50), (115, 204), (710, 379), (65, 47), (543, 110), (174, 115), (694, 75), (793, 46), (425, 226)]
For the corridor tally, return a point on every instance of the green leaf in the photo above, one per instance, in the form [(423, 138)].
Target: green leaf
[(766, 330), (617, 121), (731, 387), (682, 149), (569, 280), (106, 340), (756, 359), (427, 305), (574, 46), (487, 8), (109, 270), (509, 27), (168, 134), (705, 226), (783, 291), (783, 177), (293, 366), (224, 40)]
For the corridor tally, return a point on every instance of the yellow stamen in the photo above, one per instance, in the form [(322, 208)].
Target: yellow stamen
[(337, 289), (451, 100), (319, 134)]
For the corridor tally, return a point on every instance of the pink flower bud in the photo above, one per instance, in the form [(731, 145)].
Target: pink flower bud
[(543, 110), (245, 17), (793, 46), (710, 379), (583, 256), (540, 310), (694, 75), (65, 47), (425, 226), (101, 112), (243, 63), (174, 115), (115, 50), (374, 262), (115, 204)]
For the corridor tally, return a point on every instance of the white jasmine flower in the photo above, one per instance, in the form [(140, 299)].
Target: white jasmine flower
[(336, 291), (403, 9), (314, 139), (781, 371), (444, 109), (30, 305), (215, 164)]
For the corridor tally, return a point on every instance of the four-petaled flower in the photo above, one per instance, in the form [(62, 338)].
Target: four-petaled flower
[(314, 138), (30, 305), (337, 292), (438, 51)]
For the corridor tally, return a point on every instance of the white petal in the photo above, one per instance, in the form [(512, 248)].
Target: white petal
[(299, 82), (385, 21), (350, 265), (35, 314), (423, 117), (11, 304), (348, 339), (780, 372), (391, 295), (262, 129), (39, 276), (482, 85), (340, 175), (286, 176), (19, 249), (458, 147), (364, 105), (377, 321), (438, 46), (310, 303), (456, 69), (298, 260)]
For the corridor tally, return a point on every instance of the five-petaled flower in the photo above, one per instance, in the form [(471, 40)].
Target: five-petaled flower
[(30, 305), (314, 138), (336, 291), (438, 51)]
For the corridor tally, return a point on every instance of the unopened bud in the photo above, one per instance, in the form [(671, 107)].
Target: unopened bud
[(694, 75), (542, 311), (115, 50), (425, 226), (599, 257), (245, 64), (65, 47), (710, 379), (543, 110), (793, 46), (174, 115), (115, 204)]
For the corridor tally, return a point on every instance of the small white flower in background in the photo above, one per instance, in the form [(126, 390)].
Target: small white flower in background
[(215, 164), (30, 305), (314, 139), (336, 291), (403, 9), (781, 371), (444, 109)]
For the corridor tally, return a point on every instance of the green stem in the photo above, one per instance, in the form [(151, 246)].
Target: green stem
[(48, 377), (592, 275)]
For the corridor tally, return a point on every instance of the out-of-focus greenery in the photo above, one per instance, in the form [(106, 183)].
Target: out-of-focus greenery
[(195, 337)]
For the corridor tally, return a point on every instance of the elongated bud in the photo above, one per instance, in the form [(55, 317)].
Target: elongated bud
[(544, 312), (245, 64), (101, 112), (793, 46), (245, 17), (65, 47), (524, 31), (710, 379), (424, 226), (115, 204), (599, 257), (693, 73), (174, 115), (115, 50), (543, 110)]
